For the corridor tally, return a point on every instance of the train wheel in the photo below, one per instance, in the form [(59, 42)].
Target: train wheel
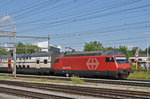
[(121, 76)]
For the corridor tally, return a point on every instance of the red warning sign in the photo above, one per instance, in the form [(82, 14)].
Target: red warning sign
[(9, 64)]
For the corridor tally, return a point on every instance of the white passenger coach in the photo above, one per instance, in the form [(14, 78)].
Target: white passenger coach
[(29, 63)]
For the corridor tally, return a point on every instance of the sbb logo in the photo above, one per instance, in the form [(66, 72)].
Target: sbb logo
[(92, 63)]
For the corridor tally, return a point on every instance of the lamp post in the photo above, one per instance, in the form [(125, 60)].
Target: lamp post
[(147, 64)]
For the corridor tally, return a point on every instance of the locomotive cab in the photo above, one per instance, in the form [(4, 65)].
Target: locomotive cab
[(123, 66)]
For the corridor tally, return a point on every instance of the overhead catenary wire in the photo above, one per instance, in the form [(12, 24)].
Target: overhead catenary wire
[(83, 16), (83, 19), (31, 6), (120, 18), (90, 13), (103, 30), (120, 43)]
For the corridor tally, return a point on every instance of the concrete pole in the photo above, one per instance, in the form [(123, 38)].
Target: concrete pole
[(15, 52), (48, 43), (36, 45), (136, 64), (147, 64), (36, 41)]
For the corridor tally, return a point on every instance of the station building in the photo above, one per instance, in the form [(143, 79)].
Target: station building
[(142, 60)]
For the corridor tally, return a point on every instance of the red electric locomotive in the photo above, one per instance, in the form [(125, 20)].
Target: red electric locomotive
[(111, 63)]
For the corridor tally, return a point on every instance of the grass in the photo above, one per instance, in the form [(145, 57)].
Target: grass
[(46, 80), (38, 80), (76, 80), (142, 88), (59, 81), (6, 77), (140, 75)]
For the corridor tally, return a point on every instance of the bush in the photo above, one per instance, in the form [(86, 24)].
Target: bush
[(133, 67), (76, 80)]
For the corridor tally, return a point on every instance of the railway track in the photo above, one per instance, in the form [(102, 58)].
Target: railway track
[(29, 94), (138, 80), (142, 83), (130, 82), (80, 90)]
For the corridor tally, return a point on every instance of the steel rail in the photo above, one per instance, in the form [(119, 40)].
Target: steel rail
[(30, 94), (80, 90), (141, 83), (130, 82)]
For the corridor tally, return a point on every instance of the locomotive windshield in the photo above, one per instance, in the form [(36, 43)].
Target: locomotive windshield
[(121, 60)]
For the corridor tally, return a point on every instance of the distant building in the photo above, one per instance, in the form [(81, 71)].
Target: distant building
[(142, 60), (54, 49), (45, 45)]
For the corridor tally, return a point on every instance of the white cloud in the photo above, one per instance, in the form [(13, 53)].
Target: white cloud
[(44, 44), (130, 46), (7, 23)]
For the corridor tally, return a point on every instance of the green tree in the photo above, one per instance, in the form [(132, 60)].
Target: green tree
[(34, 47), (148, 58), (148, 50), (93, 46), (142, 52), (132, 51), (110, 48), (21, 51), (4, 52), (24, 50), (124, 50)]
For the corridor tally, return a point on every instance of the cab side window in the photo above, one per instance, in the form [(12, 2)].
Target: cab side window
[(56, 61), (45, 61), (110, 59)]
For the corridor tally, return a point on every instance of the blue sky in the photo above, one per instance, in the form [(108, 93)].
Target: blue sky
[(71, 23)]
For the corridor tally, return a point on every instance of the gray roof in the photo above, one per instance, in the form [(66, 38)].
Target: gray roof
[(29, 55), (143, 55), (88, 53), (54, 49), (112, 52), (93, 53)]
